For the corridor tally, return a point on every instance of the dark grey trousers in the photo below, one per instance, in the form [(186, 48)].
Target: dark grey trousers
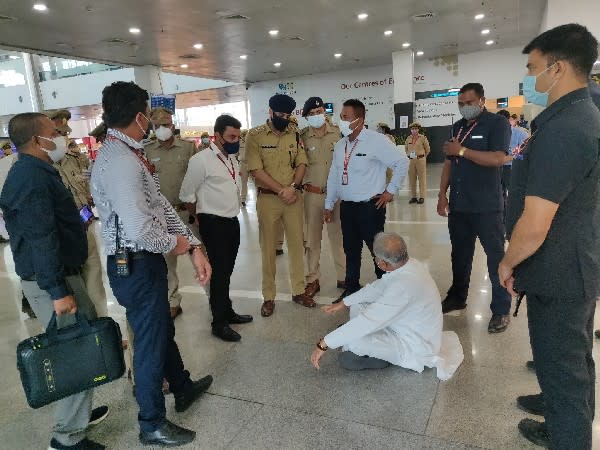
[(561, 332)]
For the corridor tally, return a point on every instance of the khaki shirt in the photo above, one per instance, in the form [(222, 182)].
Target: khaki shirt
[(71, 171), (278, 155), (242, 153), (420, 147), (171, 165), (319, 152)]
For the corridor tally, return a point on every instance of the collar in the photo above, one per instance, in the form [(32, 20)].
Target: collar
[(560, 104), (126, 139), (217, 152), (270, 130), (30, 160)]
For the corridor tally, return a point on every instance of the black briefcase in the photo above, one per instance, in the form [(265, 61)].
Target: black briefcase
[(63, 362)]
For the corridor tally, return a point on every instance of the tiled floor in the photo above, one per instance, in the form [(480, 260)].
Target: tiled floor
[(267, 396)]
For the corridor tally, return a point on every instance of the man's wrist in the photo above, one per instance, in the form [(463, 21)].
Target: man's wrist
[(462, 152), (321, 345), (194, 248), (443, 193)]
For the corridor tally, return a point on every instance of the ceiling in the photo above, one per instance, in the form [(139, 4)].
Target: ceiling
[(318, 28)]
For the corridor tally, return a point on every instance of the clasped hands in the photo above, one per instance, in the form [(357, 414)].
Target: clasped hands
[(288, 195)]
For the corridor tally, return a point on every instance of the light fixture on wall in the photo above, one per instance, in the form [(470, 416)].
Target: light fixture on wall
[(490, 42), (277, 64), (406, 45), (420, 53), (274, 32)]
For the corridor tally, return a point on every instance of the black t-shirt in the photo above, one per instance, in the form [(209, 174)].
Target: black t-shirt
[(474, 188), (561, 164)]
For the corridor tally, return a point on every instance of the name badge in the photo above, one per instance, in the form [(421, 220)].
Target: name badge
[(412, 155), (155, 160), (476, 137)]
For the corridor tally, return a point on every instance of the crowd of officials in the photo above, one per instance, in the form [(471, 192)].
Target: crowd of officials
[(158, 200)]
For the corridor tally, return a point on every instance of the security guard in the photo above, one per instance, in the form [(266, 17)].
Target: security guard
[(170, 156), (277, 162), (243, 167), (417, 149), (319, 139), (204, 141), (61, 119)]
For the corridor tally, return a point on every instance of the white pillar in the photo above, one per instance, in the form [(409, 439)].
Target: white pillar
[(403, 71), (149, 78), (32, 81)]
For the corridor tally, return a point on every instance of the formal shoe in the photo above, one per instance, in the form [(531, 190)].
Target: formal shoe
[(530, 366), (267, 308), (176, 311), (98, 415), (413, 200), (421, 201), (535, 432), (597, 334), (341, 284), (279, 252), (26, 308), (226, 333), (304, 300), (453, 304), (498, 323), (168, 435), (240, 319), (532, 404), (85, 444), (183, 400), (312, 288), (345, 294)]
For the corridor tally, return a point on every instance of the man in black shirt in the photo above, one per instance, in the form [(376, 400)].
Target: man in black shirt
[(475, 156), (553, 220), (49, 246)]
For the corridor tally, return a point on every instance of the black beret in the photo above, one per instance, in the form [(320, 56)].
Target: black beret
[(282, 103), (311, 103)]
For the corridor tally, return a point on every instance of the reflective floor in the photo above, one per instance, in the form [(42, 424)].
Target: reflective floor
[(267, 395)]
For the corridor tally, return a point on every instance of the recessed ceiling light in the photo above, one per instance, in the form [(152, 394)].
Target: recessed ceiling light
[(406, 45), (420, 53), (485, 31), (198, 46), (184, 66), (490, 42), (388, 32), (362, 16), (243, 56), (40, 7), (277, 64), (479, 16), (134, 30), (337, 55), (274, 32), (13, 57)]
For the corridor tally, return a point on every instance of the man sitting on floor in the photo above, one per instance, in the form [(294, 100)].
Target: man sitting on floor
[(395, 320)]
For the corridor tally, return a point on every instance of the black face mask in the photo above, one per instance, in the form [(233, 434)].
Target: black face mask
[(280, 123)]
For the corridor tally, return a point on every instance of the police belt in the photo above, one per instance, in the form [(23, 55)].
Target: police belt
[(314, 189)]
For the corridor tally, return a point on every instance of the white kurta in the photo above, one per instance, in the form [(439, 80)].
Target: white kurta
[(399, 319)]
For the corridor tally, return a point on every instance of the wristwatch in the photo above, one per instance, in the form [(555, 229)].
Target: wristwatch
[(298, 187), (462, 151), (324, 347), (194, 248)]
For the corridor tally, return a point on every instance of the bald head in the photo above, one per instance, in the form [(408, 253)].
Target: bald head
[(390, 248)]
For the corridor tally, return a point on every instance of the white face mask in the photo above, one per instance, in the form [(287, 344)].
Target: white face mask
[(60, 151), (345, 127), (205, 140), (163, 133), (316, 121)]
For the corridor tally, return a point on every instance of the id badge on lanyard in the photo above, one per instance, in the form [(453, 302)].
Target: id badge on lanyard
[(347, 157)]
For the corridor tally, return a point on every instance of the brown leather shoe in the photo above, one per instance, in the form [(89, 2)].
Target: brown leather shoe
[(341, 284), (176, 311), (312, 288), (267, 308), (304, 300)]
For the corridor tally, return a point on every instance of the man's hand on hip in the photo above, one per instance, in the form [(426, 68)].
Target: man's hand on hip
[(183, 245), (383, 199), (65, 305)]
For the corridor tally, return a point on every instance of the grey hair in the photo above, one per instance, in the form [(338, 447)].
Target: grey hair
[(391, 248)]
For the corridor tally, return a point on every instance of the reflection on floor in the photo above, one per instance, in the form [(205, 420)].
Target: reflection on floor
[(266, 394)]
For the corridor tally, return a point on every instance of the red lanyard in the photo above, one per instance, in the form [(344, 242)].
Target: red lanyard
[(141, 155), (466, 135), (232, 171), (347, 156)]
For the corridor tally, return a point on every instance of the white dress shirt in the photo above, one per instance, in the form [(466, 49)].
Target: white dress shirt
[(373, 154), (212, 182), (399, 319)]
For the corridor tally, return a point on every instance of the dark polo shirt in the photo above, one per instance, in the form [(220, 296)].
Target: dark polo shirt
[(561, 164)]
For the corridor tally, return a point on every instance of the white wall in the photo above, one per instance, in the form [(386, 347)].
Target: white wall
[(584, 12), (15, 100), (177, 84)]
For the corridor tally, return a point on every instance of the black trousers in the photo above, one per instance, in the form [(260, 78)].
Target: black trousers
[(464, 229), (361, 221), (221, 236), (505, 180), (561, 331)]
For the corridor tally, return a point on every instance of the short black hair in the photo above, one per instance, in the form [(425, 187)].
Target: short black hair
[(122, 101), (476, 87), (504, 113), (572, 43), (385, 129), (224, 121), (357, 106), (23, 127)]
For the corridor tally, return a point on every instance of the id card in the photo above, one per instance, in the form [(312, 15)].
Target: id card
[(412, 155), (345, 179)]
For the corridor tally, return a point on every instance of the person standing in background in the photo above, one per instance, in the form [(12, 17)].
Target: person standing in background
[(384, 128), (204, 141), (171, 156), (417, 150)]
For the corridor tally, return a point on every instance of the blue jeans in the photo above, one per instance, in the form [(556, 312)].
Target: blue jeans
[(145, 296)]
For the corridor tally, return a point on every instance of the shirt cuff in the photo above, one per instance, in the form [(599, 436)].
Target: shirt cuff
[(59, 291), (334, 339), (172, 243), (191, 198)]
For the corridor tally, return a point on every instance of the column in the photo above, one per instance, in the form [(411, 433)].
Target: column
[(149, 78), (403, 72)]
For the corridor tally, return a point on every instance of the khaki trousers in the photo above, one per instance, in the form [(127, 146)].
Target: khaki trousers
[(92, 275), (271, 213), (313, 215), (418, 168)]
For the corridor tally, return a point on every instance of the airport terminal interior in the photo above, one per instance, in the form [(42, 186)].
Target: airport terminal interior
[(405, 61)]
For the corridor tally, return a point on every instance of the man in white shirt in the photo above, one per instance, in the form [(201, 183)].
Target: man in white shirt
[(211, 189), (395, 320)]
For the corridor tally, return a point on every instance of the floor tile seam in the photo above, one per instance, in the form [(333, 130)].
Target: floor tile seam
[(437, 389), (245, 423)]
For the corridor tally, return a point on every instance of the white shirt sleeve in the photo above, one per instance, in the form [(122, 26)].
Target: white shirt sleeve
[(193, 179), (333, 179), (395, 160)]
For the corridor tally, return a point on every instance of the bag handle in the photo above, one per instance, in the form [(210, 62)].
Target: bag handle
[(52, 329)]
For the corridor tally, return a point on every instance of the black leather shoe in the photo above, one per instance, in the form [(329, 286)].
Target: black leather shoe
[(532, 404), (412, 201), (535, 432), (453, 304), (421, 201), (239, 318), (168, 435), (183, 400), (279, 252), (345, 294), (226, 333), (498, 323)]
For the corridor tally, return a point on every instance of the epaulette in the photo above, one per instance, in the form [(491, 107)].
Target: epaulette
[(257, 130)]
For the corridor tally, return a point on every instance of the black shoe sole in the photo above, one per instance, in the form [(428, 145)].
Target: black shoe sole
[(530, 411), (160, 444), (458, 308), (497, 330), (531, 437)]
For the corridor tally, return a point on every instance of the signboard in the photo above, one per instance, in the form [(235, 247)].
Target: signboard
[(436, 108), (164, 101)]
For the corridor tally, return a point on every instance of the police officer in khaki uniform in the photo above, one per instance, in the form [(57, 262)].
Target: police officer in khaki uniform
[(417, 149), (319, 138), (170, 156), (204, 141), (277, 162), (61, 119)]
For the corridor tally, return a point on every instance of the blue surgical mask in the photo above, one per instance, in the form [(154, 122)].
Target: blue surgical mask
[(231, 148), (531, 94)]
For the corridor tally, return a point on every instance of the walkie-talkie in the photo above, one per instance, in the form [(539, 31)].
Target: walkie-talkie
[(121, 254)]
